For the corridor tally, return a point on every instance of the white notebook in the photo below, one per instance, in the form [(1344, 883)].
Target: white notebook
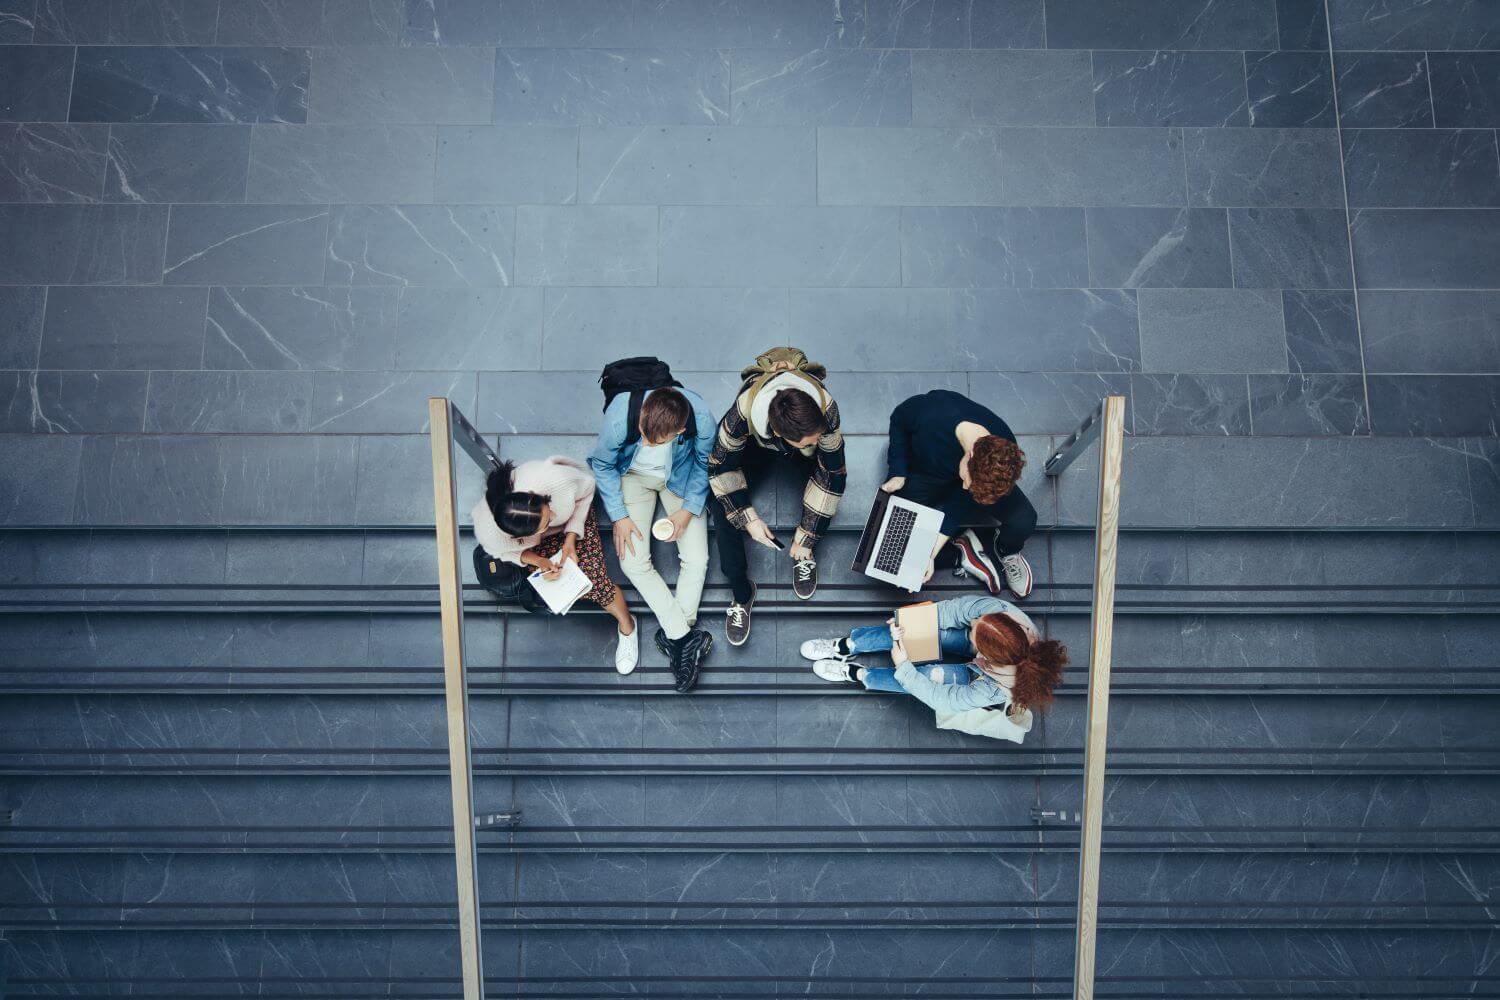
[(560, 594)]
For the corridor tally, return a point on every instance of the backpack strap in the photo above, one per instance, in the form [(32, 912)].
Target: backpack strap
[(633, 416)]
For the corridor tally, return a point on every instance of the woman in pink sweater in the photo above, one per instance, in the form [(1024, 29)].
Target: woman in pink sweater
[(535, 510)]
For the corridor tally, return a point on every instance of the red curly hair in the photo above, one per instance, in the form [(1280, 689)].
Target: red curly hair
[(1039, 665), (994, 466)]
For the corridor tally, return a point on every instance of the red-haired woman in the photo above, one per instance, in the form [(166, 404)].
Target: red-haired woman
[(995, 667)]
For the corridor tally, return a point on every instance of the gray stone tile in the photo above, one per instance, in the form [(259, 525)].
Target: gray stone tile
[(384, 402), (147, 84), (21, 325), (402, 85), (908, 166), (300, 328), (586, 245), (177, 163), (310, 22), (1427, 248), (820, 87), (1289, 89), (17, 19), (469, 329), (611, 87), (72, 22), (229, 402), (1012, 330), (1300, 405), (698, 165), (291, 479), (82, 244), (1321, 333), (724, 24), (292, 164), (1358, 24), (1161, 24), (1435, 405), (693, 329), (40, 478), (149, 480), (532, 403), (527, 23), (507, 164), (1465, 89), (1158, 248), (799, 247), (1431, 332), (387, 465), (34, 83), (51, 163), (952, 24), (1241, 167), (1422, 168), (1483, 457), (866, 399), (988, 247), (1170, 88), (135, 22), (1212, 330), (1383, 90), (1045, 402), (1302, 24), (1289, 248), (72, 402), (456, 245), (1001, 88), (1072, 166), (246, 244), (118, 328), (1190, 404)]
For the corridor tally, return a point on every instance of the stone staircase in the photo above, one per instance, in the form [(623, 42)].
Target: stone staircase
[(223, 757)]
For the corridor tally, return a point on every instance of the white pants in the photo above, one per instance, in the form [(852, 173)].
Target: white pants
[(674, 613)]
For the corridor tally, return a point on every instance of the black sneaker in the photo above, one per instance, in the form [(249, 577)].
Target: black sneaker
[(689, 653), (737, 620), (664, 644), (804, 578)]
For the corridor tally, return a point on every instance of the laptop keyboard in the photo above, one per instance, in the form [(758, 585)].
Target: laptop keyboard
[(898, 524)]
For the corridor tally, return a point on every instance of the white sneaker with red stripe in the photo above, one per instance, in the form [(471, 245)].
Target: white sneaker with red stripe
[(1017, 574), (974, 561)]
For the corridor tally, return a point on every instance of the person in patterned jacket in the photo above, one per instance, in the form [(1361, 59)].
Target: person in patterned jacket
[(783, 409)]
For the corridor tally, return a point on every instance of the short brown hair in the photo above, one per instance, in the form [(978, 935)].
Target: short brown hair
[(664, 414), (794, 415), (994, 467), (1001, 641)]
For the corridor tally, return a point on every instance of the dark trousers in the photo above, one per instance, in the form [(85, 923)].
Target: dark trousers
[(1015, 514), (731, 541)]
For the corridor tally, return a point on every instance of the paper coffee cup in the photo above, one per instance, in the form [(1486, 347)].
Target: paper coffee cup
[(663, 529)]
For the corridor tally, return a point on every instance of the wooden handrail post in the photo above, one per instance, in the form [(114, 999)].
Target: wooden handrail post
[(456, 694), (1101, 640)]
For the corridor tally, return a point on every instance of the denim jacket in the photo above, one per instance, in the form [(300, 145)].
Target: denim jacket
[(611, 457)]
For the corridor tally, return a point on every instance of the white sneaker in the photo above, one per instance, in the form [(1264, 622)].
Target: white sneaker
[(628, 650), (823, 649), (1017, 574), (836, 671)]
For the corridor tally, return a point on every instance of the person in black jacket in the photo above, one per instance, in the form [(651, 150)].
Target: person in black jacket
[(951, 453)]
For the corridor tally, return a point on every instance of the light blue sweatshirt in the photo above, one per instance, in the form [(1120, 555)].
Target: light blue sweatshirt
[(981, 691), (688, 479)]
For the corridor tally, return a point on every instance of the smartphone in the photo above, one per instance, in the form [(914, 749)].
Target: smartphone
[(778, 543)]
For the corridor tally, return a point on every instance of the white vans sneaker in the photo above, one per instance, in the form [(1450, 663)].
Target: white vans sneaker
[(628, 650), (823, 649), (837, 671), (1017, 574)]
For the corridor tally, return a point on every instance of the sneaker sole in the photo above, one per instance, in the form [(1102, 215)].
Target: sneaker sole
[(974, 567)]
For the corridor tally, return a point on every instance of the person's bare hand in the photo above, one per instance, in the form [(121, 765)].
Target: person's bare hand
[(551, 571), (898, 648), (800, 551), (893, 484), (931, 568), (625, 530), (680, 521), (760, 531), (569, 551)]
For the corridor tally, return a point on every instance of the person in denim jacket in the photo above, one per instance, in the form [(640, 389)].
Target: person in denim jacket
[(664, 463), (993, 669)]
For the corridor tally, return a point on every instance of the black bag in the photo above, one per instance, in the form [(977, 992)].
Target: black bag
[(506, 581), (636, 376)]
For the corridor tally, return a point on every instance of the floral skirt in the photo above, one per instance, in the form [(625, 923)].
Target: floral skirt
[(590, 559)]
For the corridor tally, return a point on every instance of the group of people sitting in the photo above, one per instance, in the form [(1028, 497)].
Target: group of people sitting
[(660, 443)]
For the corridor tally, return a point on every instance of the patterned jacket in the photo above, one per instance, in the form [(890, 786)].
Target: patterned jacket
[(726, 477)]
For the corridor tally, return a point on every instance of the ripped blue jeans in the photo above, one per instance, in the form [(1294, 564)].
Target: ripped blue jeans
[(954, 650)]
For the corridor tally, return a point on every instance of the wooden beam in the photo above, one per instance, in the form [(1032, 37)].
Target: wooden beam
[(456, 694), (1101, 641)]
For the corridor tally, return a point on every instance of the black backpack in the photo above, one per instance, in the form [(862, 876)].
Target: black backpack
[(506, 581), (636, 376)]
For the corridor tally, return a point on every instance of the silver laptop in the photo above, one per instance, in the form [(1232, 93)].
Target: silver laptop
[(897, 541)]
